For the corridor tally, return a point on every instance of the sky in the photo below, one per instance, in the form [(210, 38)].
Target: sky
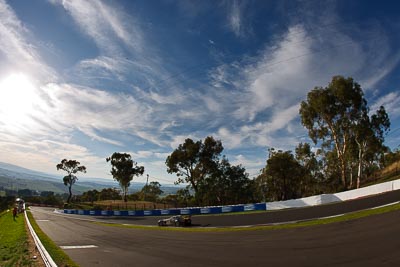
[(84, 79)]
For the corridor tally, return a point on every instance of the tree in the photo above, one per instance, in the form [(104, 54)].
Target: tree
[(369, 135), (152, 191), (123, 169), (193, 161), (25, 192), (109, 194), (312, 175), (184, 196), (283, 174), (228, 185), (330, 114), (71, 167), (90, 196)]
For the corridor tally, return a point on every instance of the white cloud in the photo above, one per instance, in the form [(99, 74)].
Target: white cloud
[(43, 155), (20, 53), (272, 80), (386, 65), (391, 102), (282, 75), (252, 166), (236, 18), (103, 23)]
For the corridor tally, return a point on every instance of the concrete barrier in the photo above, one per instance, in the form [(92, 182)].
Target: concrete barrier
[(330, 198), (396, 185), (365, 191)]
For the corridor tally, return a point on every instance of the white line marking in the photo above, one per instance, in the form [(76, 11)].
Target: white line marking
[(390, 204), (333, 216), (78, 247), (42, 220)]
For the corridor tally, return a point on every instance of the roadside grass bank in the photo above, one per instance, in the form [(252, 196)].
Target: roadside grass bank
[(306, 223), (56, 253), (14, 246)]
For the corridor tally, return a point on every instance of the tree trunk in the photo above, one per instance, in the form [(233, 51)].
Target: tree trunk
[(351, 179), (361, 148), (343, 172), (70, 193)]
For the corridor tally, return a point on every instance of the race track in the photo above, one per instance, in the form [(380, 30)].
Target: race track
[(370, 241)]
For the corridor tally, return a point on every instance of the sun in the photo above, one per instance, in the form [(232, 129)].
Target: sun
[(17, 98)]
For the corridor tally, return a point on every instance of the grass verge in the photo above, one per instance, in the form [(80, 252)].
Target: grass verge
[(14, 249), (308, 223), (57, 254)]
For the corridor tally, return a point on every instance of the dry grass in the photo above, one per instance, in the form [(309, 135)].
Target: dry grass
[(131, 205), (395, 167)]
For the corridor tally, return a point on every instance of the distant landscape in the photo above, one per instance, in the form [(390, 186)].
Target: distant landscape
[(16, 178)]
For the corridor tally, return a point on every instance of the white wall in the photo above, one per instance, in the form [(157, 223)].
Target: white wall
[(330, 198)]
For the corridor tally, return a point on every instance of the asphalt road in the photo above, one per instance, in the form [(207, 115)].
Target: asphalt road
[(370, 241)]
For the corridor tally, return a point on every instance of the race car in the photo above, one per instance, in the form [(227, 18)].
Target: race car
[(177, 220)]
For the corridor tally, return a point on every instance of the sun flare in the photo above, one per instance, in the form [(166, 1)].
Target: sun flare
[(17, 98)]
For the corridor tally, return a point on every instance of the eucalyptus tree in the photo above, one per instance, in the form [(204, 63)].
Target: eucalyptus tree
[(71, 167), (312, 175), (123, 169), (282, 174), (228, 185), (193, 161), (337, 116), (369, 135)]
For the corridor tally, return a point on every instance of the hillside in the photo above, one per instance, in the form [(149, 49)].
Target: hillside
[(13, 177)]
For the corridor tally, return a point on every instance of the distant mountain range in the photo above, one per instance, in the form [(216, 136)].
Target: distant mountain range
[(13, 177)]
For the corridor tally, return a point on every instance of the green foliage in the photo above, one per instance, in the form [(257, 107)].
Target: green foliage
[(90, 196), (6, 202), (283, 176), (109, 194), (71, 167), (123, 169), (47, 199), (151, 192), (312, 176), (25, 193), (227, 185), (193, 161), (338, 117)]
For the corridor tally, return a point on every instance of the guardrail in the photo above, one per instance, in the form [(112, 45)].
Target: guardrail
[(48, 261), (293, 203)]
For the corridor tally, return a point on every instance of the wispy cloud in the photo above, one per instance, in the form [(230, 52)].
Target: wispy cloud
[(15, 48), (237, 19), (104, 23), (391, 102)]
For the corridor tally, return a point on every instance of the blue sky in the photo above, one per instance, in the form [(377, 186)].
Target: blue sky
[(83, 79)]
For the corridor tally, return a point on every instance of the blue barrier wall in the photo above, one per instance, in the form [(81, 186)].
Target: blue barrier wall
[(166, 212)]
